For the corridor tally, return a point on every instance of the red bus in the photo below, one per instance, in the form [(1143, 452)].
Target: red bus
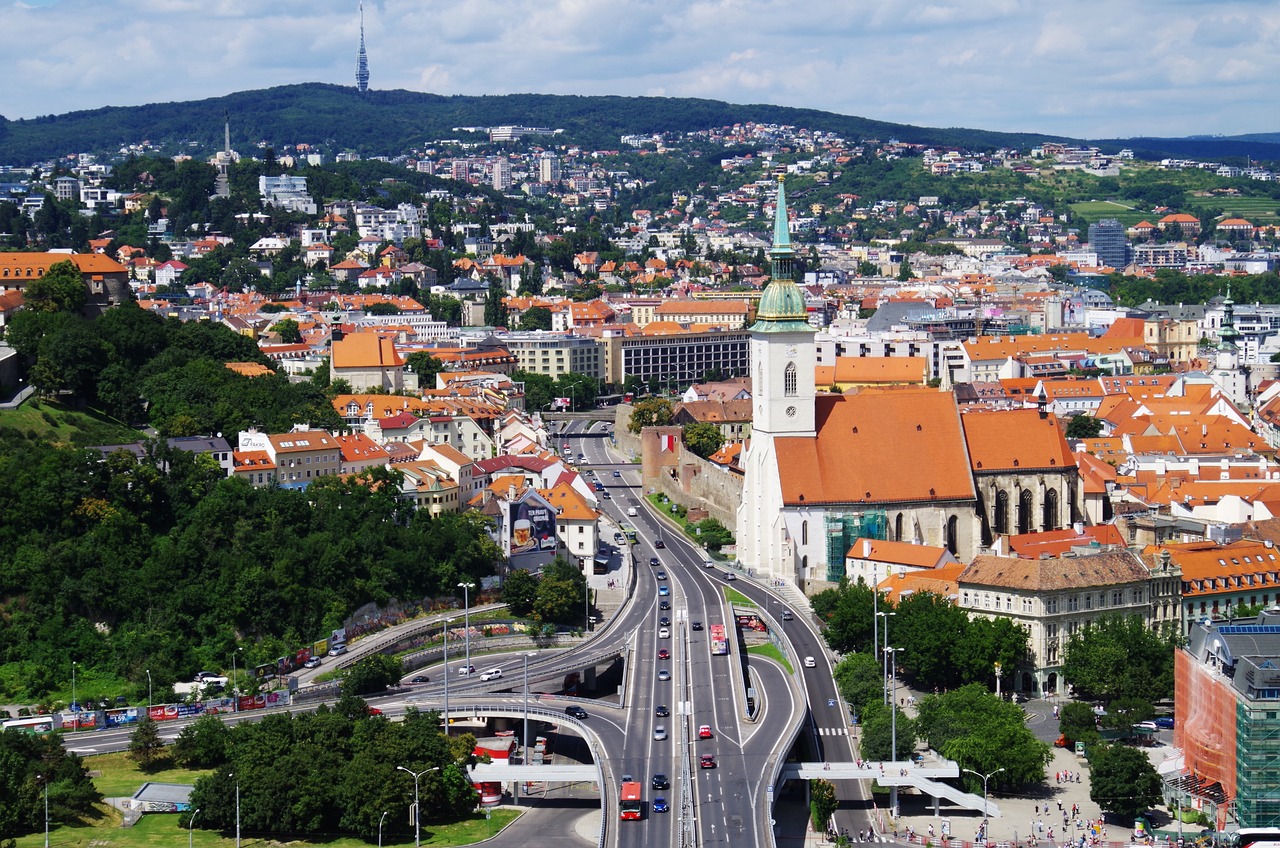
[(630, 807), (719, 644)]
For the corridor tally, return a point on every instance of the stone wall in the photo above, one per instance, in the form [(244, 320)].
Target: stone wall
[(686, 478), (628, 442)]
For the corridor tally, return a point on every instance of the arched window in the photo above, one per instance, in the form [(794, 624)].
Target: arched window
[(1051, 509), (789, 380), (953, 534), (897, 528), (804, 532), (1024, 511), (1002, 512)]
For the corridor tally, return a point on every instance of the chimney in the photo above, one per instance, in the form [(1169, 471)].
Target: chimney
[(511, 492), (866, 549), (1078, 527)]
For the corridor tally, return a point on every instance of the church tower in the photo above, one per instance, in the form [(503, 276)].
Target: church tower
[(783, 359), (362, 59), (1227, 372)]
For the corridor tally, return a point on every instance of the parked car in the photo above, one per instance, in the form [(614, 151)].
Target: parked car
[(575, 711), (1164, 722)]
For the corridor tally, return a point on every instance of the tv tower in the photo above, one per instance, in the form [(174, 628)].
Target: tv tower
[(362, 59)]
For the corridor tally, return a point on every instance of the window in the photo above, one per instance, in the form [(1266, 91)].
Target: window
[(789, 380), (1051, 605), (804, 532)]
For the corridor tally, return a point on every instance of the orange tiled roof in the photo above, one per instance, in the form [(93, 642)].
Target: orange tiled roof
[(1008, 439), (366, 350)]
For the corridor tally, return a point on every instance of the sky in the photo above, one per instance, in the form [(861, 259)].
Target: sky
[(1084, 68)]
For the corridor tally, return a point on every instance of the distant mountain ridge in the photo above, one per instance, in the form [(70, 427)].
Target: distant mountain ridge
[(388, 122)]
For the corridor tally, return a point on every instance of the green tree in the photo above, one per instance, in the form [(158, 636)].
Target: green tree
[(1122, 780), (561, 593), (288, 330), (581, 389), (1125, 712), (1077, 722), (651, 412), (879, 729), (240, 275), (713, 534), (822, 803), (371, 675), (519, 592), (536, 318), (203, 744), (426, 366), (71, 358), (848, 614), (146, 748), (60, 289), (860, 678), (495, 311), (904, 271), (382, 308), (982, 732), (1120, 656), (703, 438), (1084, 427)]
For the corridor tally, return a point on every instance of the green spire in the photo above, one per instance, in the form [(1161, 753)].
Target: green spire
[(782, 308), (1228, 335)]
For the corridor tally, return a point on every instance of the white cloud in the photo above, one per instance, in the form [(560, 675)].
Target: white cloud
[(1089, 68)]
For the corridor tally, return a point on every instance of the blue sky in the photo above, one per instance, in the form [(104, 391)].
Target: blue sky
[(1087, 68)]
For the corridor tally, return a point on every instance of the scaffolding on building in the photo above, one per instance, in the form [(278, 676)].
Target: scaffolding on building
[(844, 530)]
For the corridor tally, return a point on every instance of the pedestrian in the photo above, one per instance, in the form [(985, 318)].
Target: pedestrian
[(1037, 809)]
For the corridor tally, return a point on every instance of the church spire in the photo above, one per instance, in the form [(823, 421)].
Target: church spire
[(362, 59), (782, 308), (1228, 335)]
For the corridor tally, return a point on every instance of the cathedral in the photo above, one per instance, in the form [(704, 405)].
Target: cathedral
[(823, 470)]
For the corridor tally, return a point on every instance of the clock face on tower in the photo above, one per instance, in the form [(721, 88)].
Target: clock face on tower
[(791, 412), (791, 351)]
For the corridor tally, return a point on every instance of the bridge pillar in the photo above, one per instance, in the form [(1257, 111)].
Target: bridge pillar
[(589, 678)]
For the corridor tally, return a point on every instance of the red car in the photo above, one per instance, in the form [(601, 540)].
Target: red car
[(664, 654), (707, 761), (373, 711), (704, 731)]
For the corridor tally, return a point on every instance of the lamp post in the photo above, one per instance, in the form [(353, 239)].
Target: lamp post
[(885, 672), (45, 779), (417, 829), (191, 824), (586, 605), (233, 774), (380, 821), (525, 741), (75, 704), (466, 613), (893, 719), (447, 622), (235, 701), (985, 778), (148, 691)]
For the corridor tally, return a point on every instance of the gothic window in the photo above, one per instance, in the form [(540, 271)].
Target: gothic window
[(1051, 509), (953, 539), (1024, 511), (897, 528), (804, 532), (789, 380), (1002, 512)]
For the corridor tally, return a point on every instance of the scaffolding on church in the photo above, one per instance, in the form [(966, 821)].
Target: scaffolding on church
[(844, 530)]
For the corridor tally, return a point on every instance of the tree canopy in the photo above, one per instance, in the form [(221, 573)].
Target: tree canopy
[(703, 438), (1122, 780), (1120, 656), (650, 412), (984, 733)]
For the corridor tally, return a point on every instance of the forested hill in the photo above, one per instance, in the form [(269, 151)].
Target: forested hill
[(389, 122)]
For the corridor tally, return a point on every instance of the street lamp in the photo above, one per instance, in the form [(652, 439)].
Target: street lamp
[(148, 691), (45, 779), (893, 720), (447, 622), (417, 830), (525, 742), (885, 672), (191, 824), (466, 614), (380, 821), (235, 702), (233, 774), (75, 704), (985, 778)]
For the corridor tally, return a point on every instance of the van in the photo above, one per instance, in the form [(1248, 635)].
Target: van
[(631, 512)]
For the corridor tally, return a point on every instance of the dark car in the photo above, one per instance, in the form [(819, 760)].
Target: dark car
[(664, 605), (599, 486), (660, 781), (659, 544), (575, 711), (421, 678), (662, 575), (617, 474), (664, 622), (1164, 722), (660, 804), (697, 625), (661, 711), (654, 561)]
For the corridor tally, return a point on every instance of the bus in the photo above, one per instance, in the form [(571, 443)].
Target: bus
[(719, 644), (630, 533), (34, 724), (1253, 837), (630, 807), (600, 564)]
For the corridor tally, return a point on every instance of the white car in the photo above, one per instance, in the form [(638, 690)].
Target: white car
[(809, 662), (659, 733), (466, 670), (492, 674), (664, 633)]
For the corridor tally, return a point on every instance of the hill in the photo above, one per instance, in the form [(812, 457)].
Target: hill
[(387, 122)]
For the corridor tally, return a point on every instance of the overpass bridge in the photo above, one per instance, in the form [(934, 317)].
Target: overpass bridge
[(924, 777)]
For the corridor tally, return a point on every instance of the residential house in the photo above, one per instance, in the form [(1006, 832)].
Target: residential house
[(365, 360)]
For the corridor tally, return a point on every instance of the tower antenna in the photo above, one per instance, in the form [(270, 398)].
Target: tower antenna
[(362, 58)]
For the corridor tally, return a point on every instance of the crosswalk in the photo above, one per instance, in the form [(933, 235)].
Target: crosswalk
[(833, 731)]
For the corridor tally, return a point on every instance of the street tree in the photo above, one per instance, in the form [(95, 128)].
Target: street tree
[(703, 438), (60, 289), (495, 311), (536, 318), (982, 732), (822, 803), (146, 748), (561, 593), (519, 591), (848, 613), (371, 675), (288, 330), (580, 389), (203, 744), (1077, 722), (1126, 711), (426, 366), (650, 412), (880, 729), (861, 680), (1119, 655), (1122, 780)]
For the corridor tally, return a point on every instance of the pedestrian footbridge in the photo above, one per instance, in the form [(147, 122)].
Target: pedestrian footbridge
[(926, 777)]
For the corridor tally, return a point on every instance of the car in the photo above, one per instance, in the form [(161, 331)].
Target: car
[(421, 678), (697, 625), (729, 575), (664, 674), (632, 512), (664, 654), (1147, 725), (1164, 722), (809, 662), (314, 662), (617, 473), (201, 676), (659, 733), (605, 494), (492, 674), (664, 622), (664, 605), (659, 544), (706, 563), (786, 615), (465, 670), (582, 457), (374, 711), (598, 486), (660, 804), (654, 561), (619, 538), (661, 711), (626, 778), (662, 575), (664, 591), (590, 472), (664, 632), (660, 781), (338, 650), (707, 761), (704, 731), (575, 711)]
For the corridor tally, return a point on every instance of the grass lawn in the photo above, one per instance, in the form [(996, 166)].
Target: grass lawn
[(736, 598), (1095, 210), (771, 651), (1240, 207), (119, 775), (51, 422)]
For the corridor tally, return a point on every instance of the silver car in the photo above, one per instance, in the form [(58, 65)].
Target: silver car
[(660, 733)]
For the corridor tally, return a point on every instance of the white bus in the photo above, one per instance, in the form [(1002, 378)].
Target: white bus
[(34, 724)]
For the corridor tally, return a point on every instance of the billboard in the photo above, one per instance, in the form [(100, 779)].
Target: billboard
[(533, 527)]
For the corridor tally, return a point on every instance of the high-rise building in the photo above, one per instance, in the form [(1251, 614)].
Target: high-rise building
[(549, 168), (1107, 239), (362, 59), (501, 174)]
